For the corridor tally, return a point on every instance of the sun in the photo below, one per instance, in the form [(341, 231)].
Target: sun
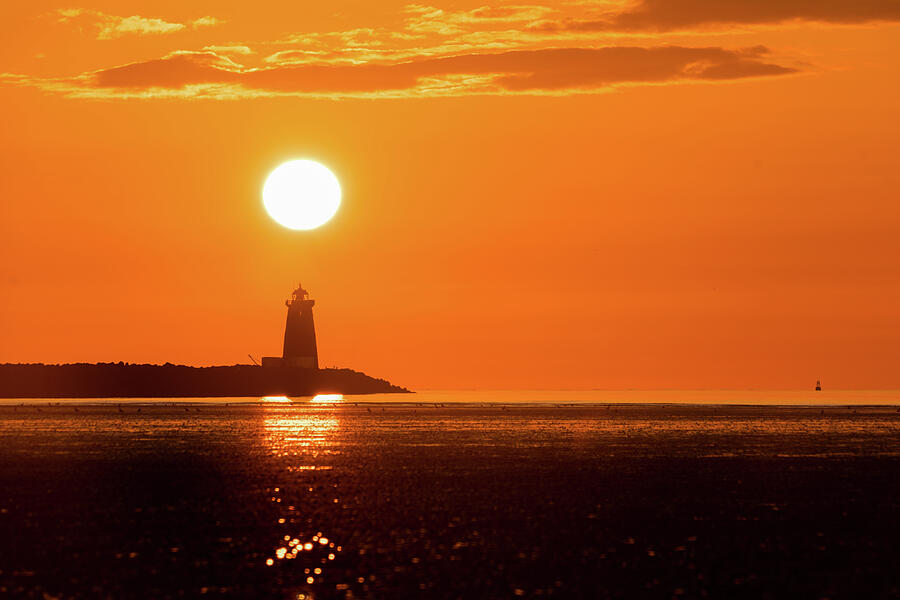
[(301, 194)]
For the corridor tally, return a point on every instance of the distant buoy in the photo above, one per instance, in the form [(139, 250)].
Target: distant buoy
[(818, 386)]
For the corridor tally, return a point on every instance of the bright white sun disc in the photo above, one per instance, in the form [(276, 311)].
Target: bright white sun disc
[(301, 194)]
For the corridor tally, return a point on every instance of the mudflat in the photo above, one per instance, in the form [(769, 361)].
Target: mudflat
[(454, 501)]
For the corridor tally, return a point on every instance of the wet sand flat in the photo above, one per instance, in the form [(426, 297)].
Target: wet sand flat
[(460, 501)]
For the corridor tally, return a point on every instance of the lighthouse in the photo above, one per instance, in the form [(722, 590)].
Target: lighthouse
[(299, 335)]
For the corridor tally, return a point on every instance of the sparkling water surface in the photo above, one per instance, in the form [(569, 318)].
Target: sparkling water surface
[(452, 495)]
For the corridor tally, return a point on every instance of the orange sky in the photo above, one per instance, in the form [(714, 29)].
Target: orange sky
[(686, 193)]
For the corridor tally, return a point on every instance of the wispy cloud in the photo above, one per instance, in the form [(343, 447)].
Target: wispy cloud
[(434, 32), (107, 27), (206, 21), (429, 19), (227, 49), (577, 46)]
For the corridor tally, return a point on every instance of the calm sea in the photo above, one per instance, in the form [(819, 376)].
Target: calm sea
[(453, 495), (544, 397)]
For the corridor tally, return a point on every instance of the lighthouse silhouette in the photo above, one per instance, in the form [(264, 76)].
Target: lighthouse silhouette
[(300, 349)]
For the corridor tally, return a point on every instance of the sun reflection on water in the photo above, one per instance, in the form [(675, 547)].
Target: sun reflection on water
[(310, 549), (327, 399), (289, 433), (275, 399), (303, 437)]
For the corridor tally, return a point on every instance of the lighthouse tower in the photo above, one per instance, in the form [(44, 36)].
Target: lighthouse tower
[(299, 334)]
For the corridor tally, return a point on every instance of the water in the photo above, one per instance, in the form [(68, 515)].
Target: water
[(546, 397), (466, 496)]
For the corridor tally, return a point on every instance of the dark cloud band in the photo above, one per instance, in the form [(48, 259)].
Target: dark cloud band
[(668, 15), (555, 69)]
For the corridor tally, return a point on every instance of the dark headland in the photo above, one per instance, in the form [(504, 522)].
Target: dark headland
[(123, 380), (295, 373)]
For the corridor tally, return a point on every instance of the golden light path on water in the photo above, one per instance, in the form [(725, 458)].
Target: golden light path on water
[(275, 399), (317, 399), (301, 437), (327, 399)]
